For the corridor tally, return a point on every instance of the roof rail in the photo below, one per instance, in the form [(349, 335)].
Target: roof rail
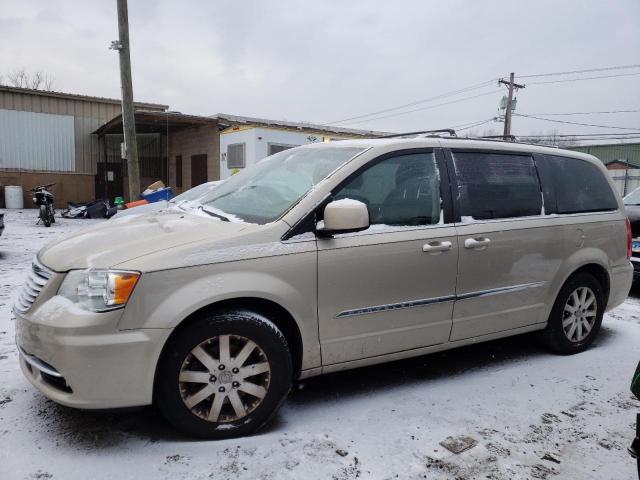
[(450, 131), (499, 137)]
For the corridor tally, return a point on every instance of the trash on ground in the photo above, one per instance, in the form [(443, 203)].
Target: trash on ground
[(458, 444)]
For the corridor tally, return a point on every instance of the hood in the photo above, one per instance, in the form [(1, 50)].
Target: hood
[(119, 240), (633, 212)]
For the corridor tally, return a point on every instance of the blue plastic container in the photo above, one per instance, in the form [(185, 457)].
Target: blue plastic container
[(162, 194)]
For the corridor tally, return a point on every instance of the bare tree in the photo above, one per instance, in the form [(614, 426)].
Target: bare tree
[(552, 138), (38, 80)]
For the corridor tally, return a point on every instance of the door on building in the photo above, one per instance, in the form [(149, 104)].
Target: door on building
[(198, 169), (108, 181)]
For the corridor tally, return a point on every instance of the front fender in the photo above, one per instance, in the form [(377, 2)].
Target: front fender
[(163, 299)]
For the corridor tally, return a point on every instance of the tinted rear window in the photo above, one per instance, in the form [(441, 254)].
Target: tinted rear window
[(494, 185), (572, 185)]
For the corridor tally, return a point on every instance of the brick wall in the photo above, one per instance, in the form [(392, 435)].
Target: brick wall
[(194, 141), (69, 187)]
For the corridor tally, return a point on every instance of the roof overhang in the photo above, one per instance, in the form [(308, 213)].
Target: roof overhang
[(156, 122)]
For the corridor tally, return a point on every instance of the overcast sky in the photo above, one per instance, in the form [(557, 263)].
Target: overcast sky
[(323, 61)]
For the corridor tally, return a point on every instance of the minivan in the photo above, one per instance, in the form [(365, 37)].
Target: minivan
[(318, 259)]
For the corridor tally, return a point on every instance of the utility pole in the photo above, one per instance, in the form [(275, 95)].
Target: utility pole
[(507, 115), (128, 115)]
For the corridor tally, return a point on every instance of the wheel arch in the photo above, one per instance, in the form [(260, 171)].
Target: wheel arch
[(277, 314), (596, 270)]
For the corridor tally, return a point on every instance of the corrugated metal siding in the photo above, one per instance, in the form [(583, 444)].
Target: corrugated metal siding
[(608, 153), (37, 141), (88, 115)]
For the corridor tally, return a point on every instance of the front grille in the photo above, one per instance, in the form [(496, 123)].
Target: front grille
[(36, 279)]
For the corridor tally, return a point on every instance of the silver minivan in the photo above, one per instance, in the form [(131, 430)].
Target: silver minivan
[(318, 259)]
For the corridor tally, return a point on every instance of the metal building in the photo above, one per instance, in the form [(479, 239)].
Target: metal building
[(46, 137), (621, 159)]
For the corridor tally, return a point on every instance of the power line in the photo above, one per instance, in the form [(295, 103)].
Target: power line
[(468, 125), (600, 69), (417, 102), (620, 134), (424, 108), (576, 123), (584, 113), (584, 78)]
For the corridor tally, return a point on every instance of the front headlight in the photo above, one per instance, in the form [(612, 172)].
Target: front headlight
[(99, 290)]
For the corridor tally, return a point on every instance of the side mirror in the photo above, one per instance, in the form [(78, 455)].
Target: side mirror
[(343, 216)]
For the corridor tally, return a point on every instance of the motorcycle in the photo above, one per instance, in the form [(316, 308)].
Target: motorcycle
[(44, 199)]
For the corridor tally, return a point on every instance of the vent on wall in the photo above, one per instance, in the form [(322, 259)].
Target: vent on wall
[(236, 155)]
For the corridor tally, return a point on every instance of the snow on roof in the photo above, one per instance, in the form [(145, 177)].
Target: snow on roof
[(237, 119)]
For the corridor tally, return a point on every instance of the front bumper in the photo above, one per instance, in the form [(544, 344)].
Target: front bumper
[(80, 359)]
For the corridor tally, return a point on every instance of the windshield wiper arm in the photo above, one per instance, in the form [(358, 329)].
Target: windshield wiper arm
[(213, 214)]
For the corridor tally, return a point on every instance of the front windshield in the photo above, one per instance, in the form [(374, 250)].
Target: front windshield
[(263, 192), (195, 192), (633, 198)]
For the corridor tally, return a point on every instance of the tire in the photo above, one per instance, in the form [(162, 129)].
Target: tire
[(52, 213), (44, 216), (561, 335), (180, 375)]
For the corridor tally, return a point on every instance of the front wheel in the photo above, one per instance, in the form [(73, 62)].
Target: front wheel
[(44, 216), (576, 316), (225, 375)]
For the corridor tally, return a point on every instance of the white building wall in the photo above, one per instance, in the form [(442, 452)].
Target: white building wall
[(257, 142)]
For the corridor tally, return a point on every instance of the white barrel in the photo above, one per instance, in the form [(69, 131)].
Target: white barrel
[(13, 197)]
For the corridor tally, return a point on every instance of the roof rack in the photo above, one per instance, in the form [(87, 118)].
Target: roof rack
[(499, 137), (450, 131)]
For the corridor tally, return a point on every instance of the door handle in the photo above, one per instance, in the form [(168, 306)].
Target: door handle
[(436, 247), (479, 243)]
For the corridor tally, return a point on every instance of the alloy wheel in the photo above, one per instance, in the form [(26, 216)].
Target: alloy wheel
[(579, 315), (224, 378)]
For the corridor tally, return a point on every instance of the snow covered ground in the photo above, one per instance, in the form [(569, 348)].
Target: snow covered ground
[(533, 414)]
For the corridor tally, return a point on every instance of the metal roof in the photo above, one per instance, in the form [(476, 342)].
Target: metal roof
[(225, 118), (75, 96), (155, 122)]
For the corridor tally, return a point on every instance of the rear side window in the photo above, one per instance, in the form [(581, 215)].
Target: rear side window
[(572, 185), (495, 185)]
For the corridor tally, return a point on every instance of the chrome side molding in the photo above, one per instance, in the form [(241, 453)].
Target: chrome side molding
[(430, 301)]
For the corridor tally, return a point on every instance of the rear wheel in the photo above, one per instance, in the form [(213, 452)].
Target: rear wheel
[(44, 216), (224, 376), (577, 314)]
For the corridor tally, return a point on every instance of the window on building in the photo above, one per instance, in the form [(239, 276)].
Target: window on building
[(179, 171), (496, 185), (277, 147), (400, 190), (574, 186), (236, 155)]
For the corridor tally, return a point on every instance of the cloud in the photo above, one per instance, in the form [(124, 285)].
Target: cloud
[(327, 60)]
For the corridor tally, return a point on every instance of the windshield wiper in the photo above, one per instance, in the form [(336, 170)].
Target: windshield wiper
[(213, 214)]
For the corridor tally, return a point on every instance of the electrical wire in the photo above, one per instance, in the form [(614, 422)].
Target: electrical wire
[(423, 108), (589, 70), (585, 135), (475, 124), (575, 123), (584, 113), (584, 78), (417, 102)]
